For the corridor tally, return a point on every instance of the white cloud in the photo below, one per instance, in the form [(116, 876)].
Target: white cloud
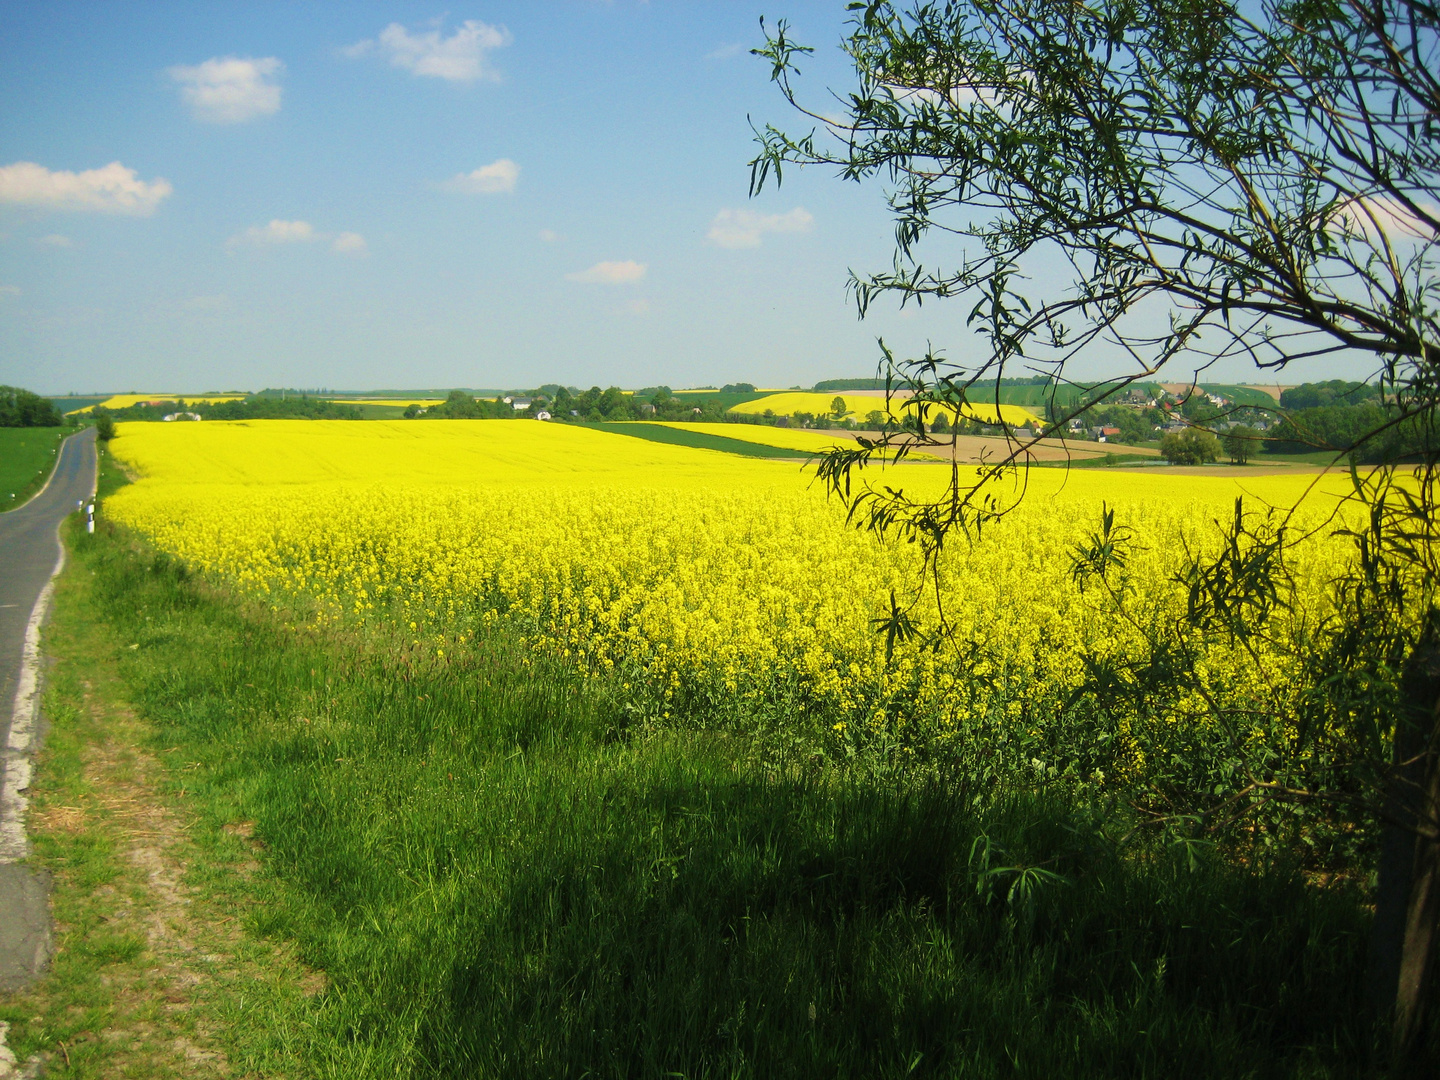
[(1362, 215), (743, 228), (55, 240), (550, 236), (277, 232), (112, 189), (9, 290), (350, 243), (610, 273), (458, 58), (230, 89), (725, 52), (493, 179)]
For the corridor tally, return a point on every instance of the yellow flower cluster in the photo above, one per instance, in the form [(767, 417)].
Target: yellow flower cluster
[(673, 563)]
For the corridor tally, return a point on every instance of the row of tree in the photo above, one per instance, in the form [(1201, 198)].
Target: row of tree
[(22, 408), (255, 407)]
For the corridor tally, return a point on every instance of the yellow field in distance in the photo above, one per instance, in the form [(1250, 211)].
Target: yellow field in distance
[(860, 406), (122, 401), (801, 440), (403, 403), (467, 453)]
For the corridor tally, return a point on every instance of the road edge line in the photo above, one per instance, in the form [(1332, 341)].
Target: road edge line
[(24, 718), (16, 764)]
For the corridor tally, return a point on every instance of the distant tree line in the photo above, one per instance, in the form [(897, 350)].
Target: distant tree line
[(1338, 415), (22, 408), (254, 407), (572, 405)]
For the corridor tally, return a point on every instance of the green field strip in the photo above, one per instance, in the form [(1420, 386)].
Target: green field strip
[(74, 404), (372, 411), (727, 401), (26, 457), (698, 440)]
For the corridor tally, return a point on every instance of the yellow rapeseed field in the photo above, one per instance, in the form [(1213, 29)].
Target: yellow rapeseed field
[(676, 566), (423, 403), (122, 401), (801, 440), (859, 406)]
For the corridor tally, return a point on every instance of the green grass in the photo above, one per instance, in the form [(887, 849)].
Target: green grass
[(370, 411), (1334, 458), (504, 874), (70, 403), (698, 439), (1106, 461), (26, 457)]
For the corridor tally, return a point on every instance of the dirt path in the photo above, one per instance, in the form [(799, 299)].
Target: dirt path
[(979, 448)]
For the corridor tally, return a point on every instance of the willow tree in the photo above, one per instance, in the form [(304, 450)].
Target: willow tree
[(1219, 181)]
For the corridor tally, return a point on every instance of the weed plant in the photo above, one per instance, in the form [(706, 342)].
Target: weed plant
[(506, 874)]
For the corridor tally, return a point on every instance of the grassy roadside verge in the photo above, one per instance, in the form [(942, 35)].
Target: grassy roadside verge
[(152, 955), (26, 457)]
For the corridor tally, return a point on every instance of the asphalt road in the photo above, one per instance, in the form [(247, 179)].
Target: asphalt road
[(29, 548), (29, 552)]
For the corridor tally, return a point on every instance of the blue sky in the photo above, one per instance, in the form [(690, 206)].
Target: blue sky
[(370, 195)]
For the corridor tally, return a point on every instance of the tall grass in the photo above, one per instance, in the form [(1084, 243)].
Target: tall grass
[(503, 876)]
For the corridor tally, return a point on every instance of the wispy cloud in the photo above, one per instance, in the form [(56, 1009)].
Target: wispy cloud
[(55, 240), (350, 243), (276, 232), (744, 228), (230, 89), (1369, 215), (9, 290), (112, 189), (610, 273), (461, 57), (550, 236), (725, 52), (494, 179)]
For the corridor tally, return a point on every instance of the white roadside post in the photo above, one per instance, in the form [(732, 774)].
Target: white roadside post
[(90, 518)]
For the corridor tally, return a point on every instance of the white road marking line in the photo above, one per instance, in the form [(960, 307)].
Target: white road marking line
[(14, 845), (15, 764)]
